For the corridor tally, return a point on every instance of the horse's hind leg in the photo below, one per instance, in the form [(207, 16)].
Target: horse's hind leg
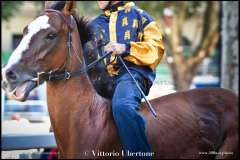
[(229, 149)]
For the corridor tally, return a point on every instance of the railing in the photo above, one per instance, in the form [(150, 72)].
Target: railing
[(27, 141), (28, 102), (22, 141)]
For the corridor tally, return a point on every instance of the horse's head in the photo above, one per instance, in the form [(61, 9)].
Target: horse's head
[(42, 49)]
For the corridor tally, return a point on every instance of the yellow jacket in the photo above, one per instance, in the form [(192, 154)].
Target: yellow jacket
[(134, 27)]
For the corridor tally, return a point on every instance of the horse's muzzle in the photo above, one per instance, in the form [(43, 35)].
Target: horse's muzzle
[(15, 86)]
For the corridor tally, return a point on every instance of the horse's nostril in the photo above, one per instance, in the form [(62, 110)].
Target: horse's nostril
[(11, 75), (4, 84)]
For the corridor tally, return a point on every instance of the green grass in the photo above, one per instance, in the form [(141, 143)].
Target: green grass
[(5, 56), (163, 75), (163, 70)]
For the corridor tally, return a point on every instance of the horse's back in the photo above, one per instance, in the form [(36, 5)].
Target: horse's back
[(197, 97), (198, 119)]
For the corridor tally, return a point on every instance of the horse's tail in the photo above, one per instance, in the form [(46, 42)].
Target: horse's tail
[(229, 147)]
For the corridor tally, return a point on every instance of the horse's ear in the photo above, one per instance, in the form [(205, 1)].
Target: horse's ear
[(49, 4), (57, 5), (70, 8)]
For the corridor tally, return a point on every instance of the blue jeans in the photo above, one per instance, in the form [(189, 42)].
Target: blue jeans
[(125, 105)]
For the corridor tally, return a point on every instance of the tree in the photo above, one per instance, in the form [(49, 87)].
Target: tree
[(88, 8), (8, 9), (183, 66), (230, 45)]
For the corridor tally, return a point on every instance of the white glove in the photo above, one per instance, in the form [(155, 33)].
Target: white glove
[(115, 48)]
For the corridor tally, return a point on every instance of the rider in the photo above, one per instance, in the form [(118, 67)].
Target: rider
[(134, 35)]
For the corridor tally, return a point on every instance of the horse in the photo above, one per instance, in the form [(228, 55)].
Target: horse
[(197, 123)]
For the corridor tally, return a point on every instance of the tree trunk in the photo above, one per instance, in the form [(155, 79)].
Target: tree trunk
[(182, 75), (229, 70), (183, 69)]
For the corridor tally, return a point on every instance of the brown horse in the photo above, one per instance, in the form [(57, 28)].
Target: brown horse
[(191, 124)]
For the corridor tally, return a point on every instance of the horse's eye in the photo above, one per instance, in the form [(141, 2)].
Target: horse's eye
[(51, 36)]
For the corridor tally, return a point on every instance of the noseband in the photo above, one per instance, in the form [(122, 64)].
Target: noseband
[(55, 74)]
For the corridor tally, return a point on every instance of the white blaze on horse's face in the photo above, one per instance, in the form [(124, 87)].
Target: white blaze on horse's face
[(33, 28)]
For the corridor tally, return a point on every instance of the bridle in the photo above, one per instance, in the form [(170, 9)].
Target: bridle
[(55, 74)]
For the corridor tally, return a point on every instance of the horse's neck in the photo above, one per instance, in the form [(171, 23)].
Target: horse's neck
[(74, 104), (75, 94), (76, 88)]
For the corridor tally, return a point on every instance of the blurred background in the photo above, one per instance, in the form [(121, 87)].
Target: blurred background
[(201, 40)]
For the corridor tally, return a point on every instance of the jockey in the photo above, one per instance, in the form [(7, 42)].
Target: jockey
[(134, 35)]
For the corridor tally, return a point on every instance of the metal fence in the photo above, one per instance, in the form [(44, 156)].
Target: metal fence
[(27, 141)]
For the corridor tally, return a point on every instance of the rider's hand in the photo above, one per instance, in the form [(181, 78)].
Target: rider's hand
[(115, 48)]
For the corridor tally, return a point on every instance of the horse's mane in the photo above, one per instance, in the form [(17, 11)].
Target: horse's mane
[(82, 23), (83, 29)]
